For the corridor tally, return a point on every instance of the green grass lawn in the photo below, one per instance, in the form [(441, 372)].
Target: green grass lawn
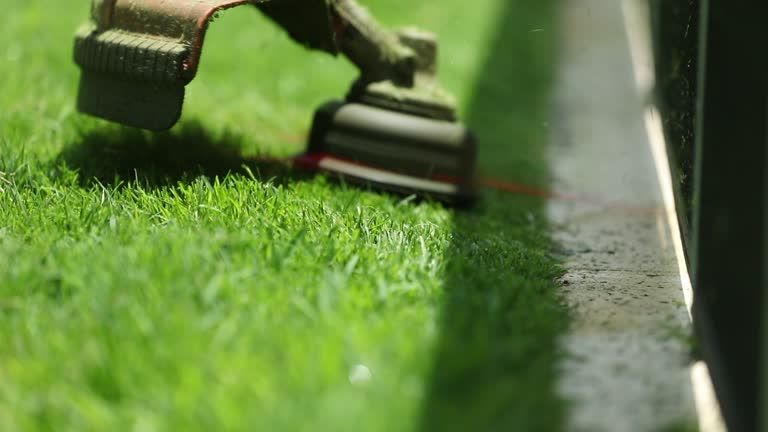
[(167, 282)]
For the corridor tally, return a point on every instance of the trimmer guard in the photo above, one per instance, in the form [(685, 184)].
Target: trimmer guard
[(137, 56)]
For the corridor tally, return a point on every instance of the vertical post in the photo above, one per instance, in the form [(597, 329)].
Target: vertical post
[(728, 250)]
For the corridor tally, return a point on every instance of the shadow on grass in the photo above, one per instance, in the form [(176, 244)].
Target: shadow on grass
[(116, 154), (496, 356)]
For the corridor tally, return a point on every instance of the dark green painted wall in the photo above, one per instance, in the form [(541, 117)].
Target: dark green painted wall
[(676, 32), (712, 89)]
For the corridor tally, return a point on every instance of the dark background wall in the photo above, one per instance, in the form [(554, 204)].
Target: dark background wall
[(676, 33), (712, 94)]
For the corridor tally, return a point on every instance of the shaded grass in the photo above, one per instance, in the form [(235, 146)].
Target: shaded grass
[(495, 364), (111, 155), (160, 282)]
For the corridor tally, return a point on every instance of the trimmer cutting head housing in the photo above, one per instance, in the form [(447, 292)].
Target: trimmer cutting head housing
[(137, 56), (432, 157)]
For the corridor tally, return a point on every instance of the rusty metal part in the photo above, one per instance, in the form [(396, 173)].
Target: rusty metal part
[(135, 37), (138, 55)]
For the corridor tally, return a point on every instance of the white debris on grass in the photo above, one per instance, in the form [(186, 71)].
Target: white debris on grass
[(360, 375)]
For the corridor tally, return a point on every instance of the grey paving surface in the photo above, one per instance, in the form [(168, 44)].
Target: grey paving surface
[(628, 359)]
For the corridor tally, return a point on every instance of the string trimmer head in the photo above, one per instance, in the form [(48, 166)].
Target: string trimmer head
[(396, 130)]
